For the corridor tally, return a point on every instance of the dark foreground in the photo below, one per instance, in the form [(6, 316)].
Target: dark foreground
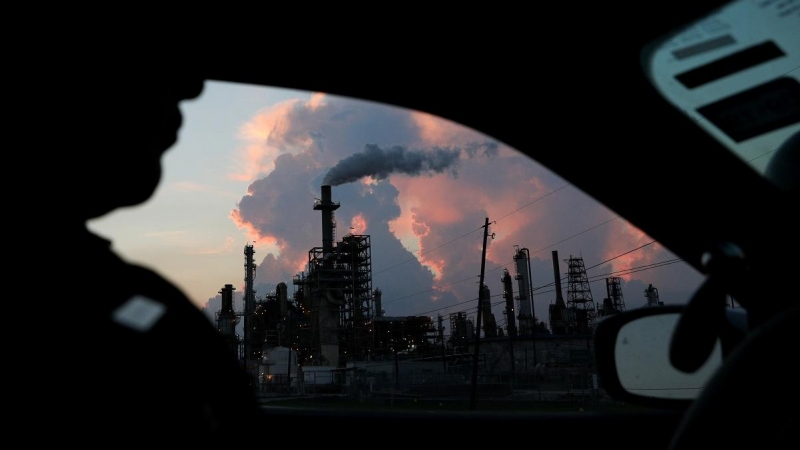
[(342, 402)]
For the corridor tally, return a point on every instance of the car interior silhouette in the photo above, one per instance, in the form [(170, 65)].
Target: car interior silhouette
[(681, 119)]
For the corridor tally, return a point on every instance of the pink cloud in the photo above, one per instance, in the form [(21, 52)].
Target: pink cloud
[(434, 130), (430, 206), (622, 240), (271, 132), (358, 224)]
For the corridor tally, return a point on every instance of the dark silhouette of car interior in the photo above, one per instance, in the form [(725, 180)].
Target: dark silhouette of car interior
[(589, 88)]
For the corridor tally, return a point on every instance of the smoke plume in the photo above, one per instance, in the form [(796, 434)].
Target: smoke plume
[(379, 162)]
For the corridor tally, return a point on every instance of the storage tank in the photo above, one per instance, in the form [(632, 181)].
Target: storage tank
[(279, 368)]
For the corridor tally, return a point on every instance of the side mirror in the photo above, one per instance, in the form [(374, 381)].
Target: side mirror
[(632, 351)]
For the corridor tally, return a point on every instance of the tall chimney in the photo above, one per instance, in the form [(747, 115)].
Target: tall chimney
[(283, 298), (557, 275), (327, 207)]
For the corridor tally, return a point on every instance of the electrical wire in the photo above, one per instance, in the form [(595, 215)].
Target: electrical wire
[(502, 265), (469, 233)]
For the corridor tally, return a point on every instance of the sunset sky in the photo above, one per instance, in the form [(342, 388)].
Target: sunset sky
[(249, 164)]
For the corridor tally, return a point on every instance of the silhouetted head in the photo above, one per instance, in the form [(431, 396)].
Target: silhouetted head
[(119, 119)]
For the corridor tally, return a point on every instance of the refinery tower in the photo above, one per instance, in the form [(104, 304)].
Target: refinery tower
[(337, 289)]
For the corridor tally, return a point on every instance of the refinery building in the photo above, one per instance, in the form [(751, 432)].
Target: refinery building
[(331, 334)]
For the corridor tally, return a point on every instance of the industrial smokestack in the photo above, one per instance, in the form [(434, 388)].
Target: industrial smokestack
[(283, 297), (557, 275), (327, 207)]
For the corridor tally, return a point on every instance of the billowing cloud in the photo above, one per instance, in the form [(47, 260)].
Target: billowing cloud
[(269, 134), (273, 210), (424, 223), (433, 130)]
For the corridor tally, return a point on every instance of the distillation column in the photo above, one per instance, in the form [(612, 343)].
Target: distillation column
[(525, 297), (489, 324), (508, 296), (227, 319), (252, 350)]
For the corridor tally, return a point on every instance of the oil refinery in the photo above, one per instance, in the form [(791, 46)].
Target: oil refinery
[(331, 334)]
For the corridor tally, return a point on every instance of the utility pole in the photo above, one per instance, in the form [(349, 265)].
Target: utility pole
[(474, 396)]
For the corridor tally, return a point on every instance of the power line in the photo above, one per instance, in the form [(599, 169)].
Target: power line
[(596, 278), (593, 279), (502, 265), (628, 271), (639, 268), (620, 255), (458, 304), (577, 234), (617, 272), (426, 252), (529, 204), (431, 289), (471, 232)]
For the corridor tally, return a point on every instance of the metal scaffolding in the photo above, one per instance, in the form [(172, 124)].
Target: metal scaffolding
[(579, 296), (354, 265)]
